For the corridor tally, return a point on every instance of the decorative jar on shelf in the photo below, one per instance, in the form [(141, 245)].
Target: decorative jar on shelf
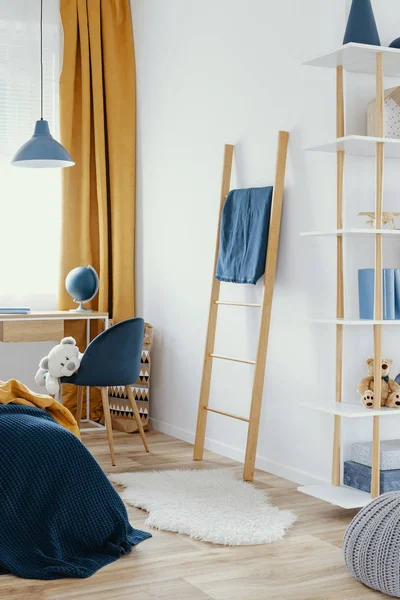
[(361, 25)]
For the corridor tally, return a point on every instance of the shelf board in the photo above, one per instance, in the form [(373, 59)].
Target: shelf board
[(360, 145), (360, 58), (352, 232), (355, 322), (349, 410), (343, 496)]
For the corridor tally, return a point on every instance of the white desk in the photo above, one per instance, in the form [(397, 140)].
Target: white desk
[(49, 327)]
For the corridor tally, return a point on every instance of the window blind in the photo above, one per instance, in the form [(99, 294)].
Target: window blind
[(30, 199)]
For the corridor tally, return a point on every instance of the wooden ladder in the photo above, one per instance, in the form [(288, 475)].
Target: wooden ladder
[(266, 305)]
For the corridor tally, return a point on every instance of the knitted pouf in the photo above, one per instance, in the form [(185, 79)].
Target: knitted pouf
[(371, 544)]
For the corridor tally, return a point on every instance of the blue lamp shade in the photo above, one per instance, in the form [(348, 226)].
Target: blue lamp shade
[(42, 151)]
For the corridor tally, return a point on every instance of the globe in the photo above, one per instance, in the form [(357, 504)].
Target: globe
[(82, 284)]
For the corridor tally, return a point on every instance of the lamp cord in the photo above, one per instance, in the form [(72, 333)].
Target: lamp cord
[(41, 60)]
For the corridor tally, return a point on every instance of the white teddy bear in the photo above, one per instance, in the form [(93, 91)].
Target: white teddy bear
[(62, 361)]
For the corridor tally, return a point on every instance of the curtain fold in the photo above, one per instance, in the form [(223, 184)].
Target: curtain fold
[(97, 123)]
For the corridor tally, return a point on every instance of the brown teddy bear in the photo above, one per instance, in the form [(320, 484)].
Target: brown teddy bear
[(390, 390)]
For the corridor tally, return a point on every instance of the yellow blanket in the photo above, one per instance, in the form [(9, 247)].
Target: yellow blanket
[(16, 392)]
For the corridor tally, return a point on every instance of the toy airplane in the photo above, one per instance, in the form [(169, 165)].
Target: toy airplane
[(387, 218)]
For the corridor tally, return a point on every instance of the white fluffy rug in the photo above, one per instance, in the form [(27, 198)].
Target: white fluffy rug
[(208, 505)]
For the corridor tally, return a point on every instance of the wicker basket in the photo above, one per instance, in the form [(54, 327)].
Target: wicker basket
[(121, 412)]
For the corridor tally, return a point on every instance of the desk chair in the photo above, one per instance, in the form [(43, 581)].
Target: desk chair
[(112, 359)]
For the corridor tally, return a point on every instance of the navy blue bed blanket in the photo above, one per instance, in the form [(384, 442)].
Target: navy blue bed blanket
[(60, 516)]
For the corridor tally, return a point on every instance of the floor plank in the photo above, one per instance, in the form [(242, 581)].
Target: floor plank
[(306, 565)]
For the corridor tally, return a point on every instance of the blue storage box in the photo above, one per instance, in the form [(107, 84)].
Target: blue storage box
[(359, 476), (391, 293)]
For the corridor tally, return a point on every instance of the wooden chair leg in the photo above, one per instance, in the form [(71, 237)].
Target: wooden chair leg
[(136, 414), (79, 404), (107, 419)]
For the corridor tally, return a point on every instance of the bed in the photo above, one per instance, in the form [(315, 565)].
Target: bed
[(60, 516)]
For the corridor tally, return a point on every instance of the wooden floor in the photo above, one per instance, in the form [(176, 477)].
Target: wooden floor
[(306, 565)]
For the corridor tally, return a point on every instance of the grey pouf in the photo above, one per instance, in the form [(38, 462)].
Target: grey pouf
[(371, 545)]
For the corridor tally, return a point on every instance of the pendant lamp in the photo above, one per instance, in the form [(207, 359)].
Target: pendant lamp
[(42, 150)]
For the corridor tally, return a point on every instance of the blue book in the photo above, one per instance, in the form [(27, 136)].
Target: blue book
[(391, 293), (389, 311), (397, 293), (9, 310)]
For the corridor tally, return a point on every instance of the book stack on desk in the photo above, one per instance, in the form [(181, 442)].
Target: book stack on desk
[(14, 310)]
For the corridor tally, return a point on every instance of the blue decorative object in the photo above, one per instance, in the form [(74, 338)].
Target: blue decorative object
[(82, 284), (361, 26), (42, 150), (359, 476), (395, 43), (113, 357), (61, 517), (391, 293)]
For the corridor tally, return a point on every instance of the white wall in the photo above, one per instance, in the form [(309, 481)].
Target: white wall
[(210, 73)]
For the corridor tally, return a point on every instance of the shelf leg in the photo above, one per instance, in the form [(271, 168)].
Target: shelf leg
[(339, 275), (378, 292)]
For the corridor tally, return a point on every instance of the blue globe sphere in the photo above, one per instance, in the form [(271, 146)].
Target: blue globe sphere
[(82, 283)]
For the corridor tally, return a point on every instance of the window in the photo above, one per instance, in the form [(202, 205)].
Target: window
[(30, 199)]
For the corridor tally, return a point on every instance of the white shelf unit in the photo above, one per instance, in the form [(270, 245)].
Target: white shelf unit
[(343, 496), (352, 232), (359, 145), (359, 58), (349, 410), (355, 322)]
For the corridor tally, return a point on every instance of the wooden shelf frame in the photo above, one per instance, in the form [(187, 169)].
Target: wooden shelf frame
[(340, 158), (343, 496), (378, 292)]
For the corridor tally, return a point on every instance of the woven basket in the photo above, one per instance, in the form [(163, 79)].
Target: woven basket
[(121, 412)]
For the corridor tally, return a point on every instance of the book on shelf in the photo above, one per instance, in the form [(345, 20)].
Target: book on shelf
[(390, 289), (14, 310)]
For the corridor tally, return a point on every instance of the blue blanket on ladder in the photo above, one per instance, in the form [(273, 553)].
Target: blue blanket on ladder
[(60, 516), (244, 235)]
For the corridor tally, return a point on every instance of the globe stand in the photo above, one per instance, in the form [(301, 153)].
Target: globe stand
[(81, 307)]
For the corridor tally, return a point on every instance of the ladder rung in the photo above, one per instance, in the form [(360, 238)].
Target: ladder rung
[(240, 360), (227, 303), (220, 412)]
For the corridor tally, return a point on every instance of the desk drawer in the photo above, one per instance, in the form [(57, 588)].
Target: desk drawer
[(31, 331)]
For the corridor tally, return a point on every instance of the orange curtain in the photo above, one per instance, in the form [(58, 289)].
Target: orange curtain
[(98, 127)]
